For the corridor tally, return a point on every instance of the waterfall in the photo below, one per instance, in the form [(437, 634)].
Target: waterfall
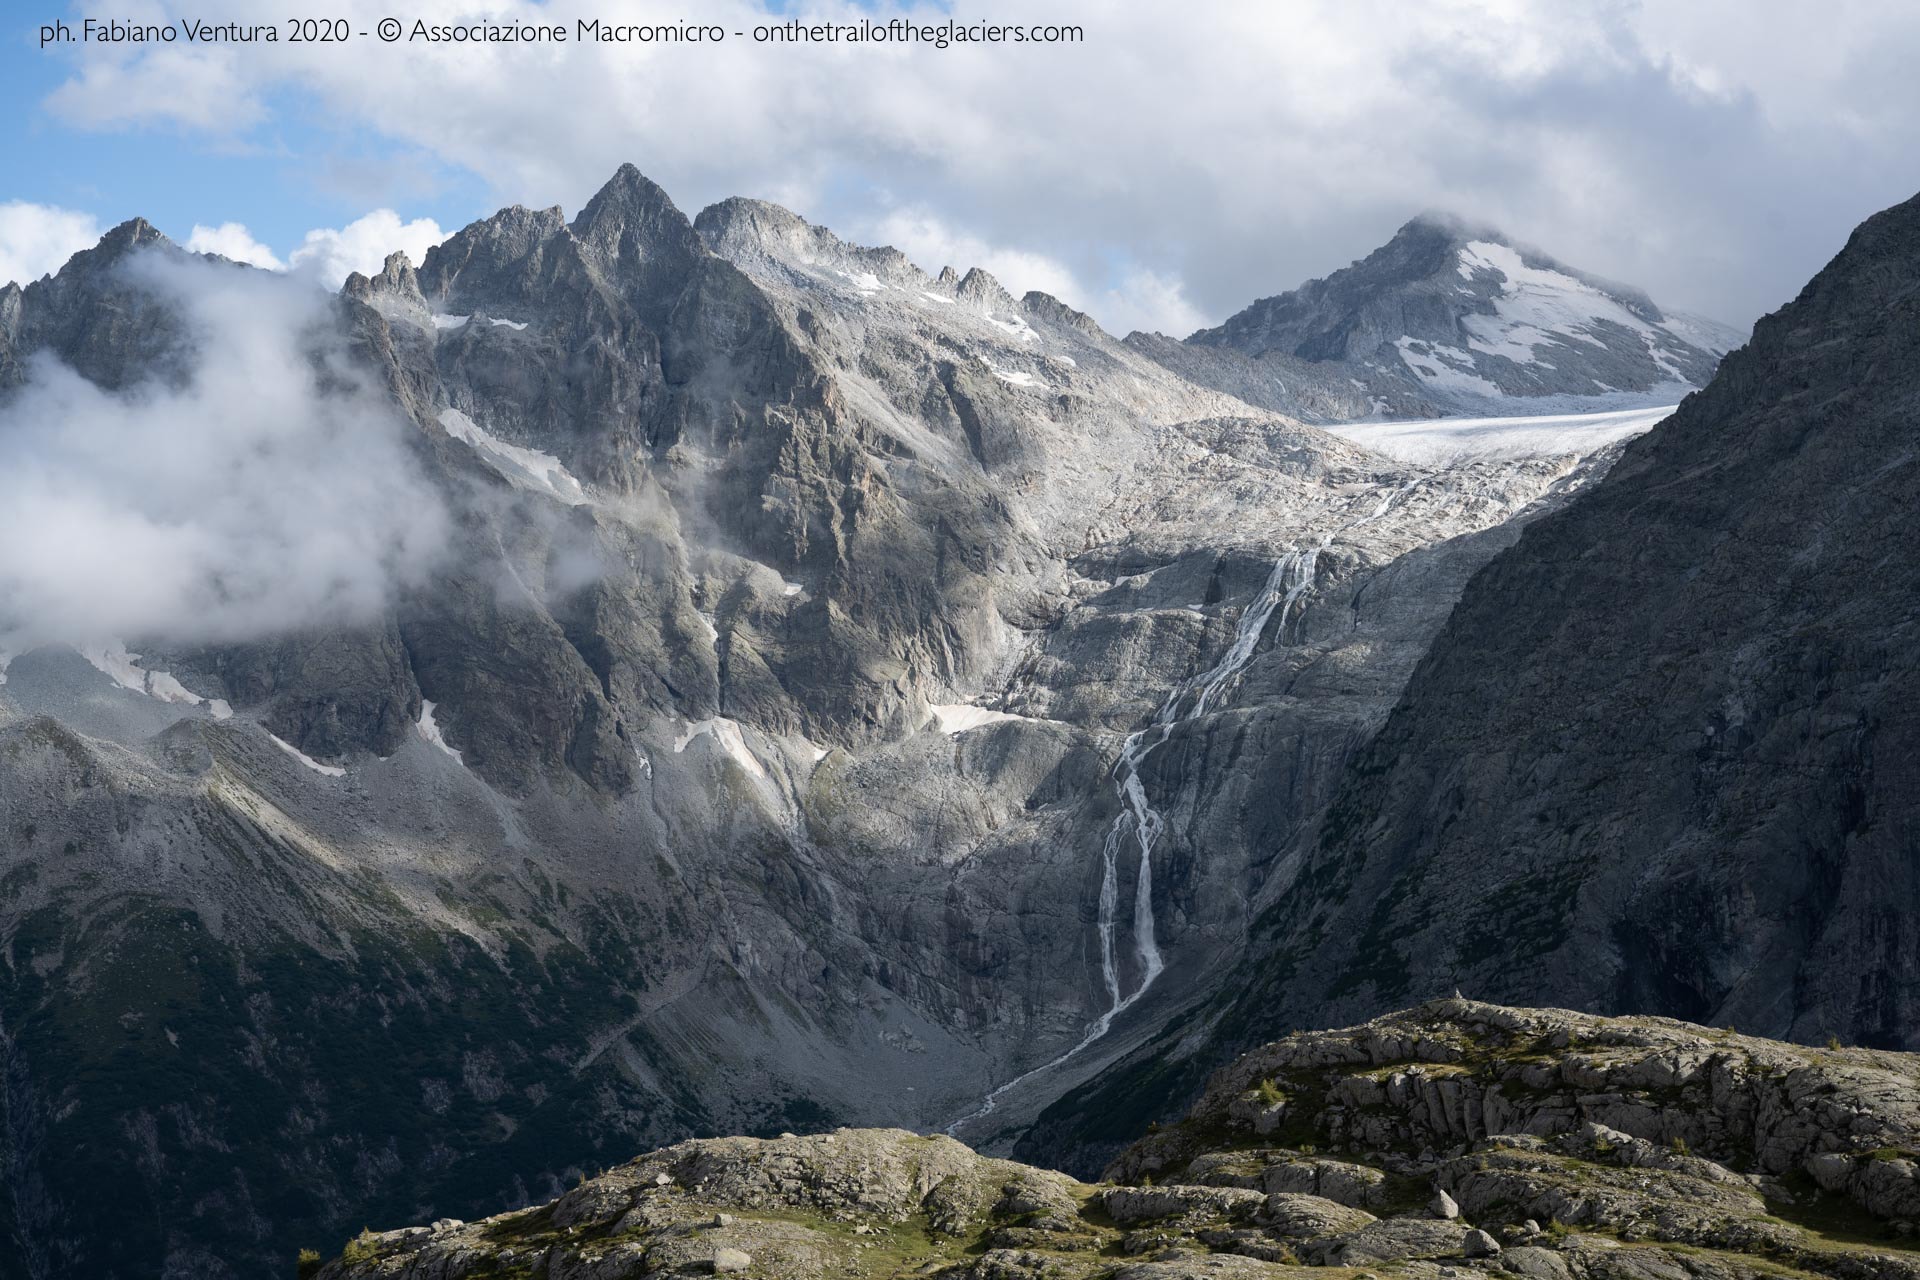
[(1290, 579), (1141, 823)]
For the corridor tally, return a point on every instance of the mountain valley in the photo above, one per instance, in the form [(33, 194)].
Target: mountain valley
[(833, 693)]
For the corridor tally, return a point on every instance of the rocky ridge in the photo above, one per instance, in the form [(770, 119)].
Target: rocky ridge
[(1455, 1139)]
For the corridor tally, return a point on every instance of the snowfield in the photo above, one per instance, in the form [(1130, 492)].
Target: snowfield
[(957, 717)]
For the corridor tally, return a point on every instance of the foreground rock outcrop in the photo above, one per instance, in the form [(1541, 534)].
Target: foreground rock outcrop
[(1455, 1139)]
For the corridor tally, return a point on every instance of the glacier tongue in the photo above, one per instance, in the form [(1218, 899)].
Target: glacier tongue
[(1448, 441)]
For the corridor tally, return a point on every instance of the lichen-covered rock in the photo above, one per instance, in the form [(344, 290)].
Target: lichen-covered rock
[(1644, 1093), (1304, 1217), (1127, 1205)]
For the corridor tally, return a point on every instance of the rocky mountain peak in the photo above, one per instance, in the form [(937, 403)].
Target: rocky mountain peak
[(632, 224), (741, 230), (397, 275), (1044, 306), (1460, 315), (113, 248), (509, 257), (1762, 517), (981, 289), (739, 222), (394, 290), (513, 231)]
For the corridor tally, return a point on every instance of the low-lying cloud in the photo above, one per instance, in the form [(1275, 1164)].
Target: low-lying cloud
[(268, 489)]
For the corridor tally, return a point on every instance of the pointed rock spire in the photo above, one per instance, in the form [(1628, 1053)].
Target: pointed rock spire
[(631, 219)]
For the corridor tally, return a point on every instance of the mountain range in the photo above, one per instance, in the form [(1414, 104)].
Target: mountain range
[(850, 694)]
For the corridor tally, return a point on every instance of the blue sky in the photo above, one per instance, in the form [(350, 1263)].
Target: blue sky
[(1173, 165), (299, 171), (304, 169)]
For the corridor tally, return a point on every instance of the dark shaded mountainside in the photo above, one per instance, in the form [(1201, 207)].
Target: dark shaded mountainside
[(1457, 1139), (1665, 753)]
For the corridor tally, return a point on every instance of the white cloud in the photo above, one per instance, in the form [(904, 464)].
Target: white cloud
[(232, 240), (1148, 300), (36, 239), (1139, 299), (203, 88), (1716, 152), (330, 255), (241, 503)]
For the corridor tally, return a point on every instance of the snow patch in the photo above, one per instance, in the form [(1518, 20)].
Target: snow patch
[(1017, 327), (117, 664), (727, 734), (430, 730), (162, 685), (864, 282), (1018, 377), (328, 770), (528, 467), (934, 297), (1446, 368), (958, 717), (790, 588), (515, 325), (443, 321), (124, 669)]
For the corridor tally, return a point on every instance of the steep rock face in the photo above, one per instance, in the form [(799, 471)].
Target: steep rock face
[(1662, 755), (1456, 1139), (1461, 317)]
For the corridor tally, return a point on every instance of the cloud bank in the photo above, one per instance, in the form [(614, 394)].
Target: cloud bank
[(233, 241), (266, 491), (330, 256), (37, 239), (327, 255), (1178, 162)]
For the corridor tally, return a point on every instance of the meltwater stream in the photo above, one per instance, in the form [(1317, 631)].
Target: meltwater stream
[(1291, 576), (1139, 822)]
